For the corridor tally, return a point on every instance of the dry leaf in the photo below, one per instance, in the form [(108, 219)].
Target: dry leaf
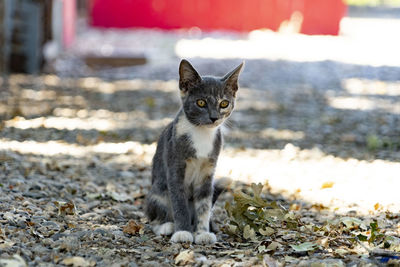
[(261, 248), (249, 233), (352, 223), (327, 263), (184, 258), (306, 246), (378, 206), (133, 228), (273, 246), (295, 206), (323, 242), (267, 232), (341, 252), (78, 262), (327, 185), (65, 208), (121, 197), (231, 229)]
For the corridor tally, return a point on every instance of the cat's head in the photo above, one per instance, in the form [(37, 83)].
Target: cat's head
[(207, 100)]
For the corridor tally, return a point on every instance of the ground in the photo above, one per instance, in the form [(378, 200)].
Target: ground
[(322, 136)]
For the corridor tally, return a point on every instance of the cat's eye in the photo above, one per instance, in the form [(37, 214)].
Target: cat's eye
[(224, 104), (201, 103)]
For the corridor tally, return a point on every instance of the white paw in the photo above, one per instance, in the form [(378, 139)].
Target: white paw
[(205, 238), (164, 229), (182, 237)]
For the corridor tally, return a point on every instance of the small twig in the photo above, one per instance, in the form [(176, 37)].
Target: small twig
[(361, 244), (377, 251), (383, 253)]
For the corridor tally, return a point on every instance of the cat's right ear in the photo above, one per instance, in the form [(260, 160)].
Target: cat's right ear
[(188, 76)]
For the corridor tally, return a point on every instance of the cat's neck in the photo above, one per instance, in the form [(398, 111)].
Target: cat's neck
[(202, 137)]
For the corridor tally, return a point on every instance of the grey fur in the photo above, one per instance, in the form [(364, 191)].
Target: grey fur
[(182, 189)]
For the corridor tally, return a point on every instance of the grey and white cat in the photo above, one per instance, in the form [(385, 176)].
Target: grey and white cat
[(183, 191)]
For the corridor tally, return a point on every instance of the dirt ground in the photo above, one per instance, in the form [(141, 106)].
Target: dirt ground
[(76, 148)]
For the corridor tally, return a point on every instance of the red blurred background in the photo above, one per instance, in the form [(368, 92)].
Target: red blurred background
[(319, 16)]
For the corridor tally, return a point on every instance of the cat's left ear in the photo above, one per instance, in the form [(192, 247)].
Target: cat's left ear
[(231, 79)]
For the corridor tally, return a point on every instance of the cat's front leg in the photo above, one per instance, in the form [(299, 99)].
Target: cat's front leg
[(203, 206), (180, 208)]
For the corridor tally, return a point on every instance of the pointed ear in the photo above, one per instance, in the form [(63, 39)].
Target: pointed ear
[(231, 79), (188, 76)]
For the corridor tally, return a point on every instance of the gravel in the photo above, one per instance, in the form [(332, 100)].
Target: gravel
[(76, 149)]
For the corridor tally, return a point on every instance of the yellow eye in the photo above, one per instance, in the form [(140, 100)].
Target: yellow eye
[(201, 103), (224, 104)]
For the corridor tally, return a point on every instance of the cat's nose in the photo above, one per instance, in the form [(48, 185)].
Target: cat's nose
[(213, 119)]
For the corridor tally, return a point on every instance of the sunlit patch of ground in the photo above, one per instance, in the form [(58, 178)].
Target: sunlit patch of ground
[(313, 176), (307, 175)]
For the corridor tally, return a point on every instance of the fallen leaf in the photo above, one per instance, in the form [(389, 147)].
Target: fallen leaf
[(327, 263), (341, 252), (256, 200), (295, 206), (132, 228), (323, 242), (327, 185), (273, 246), (93, 196), (306, 246), (249, 233), (267, 232), (352, 223), (78, 262), (319, 207), (184, 258), (261, 248), (65, 208), (121, 197), (378, 206), (362, 237), (231, 229)]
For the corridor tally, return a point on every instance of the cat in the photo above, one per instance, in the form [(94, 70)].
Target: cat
[(183, 189)]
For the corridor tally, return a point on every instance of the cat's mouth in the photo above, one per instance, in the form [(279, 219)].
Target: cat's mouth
[(213, 124)]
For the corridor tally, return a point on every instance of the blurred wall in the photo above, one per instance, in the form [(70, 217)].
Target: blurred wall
[(317, 16)]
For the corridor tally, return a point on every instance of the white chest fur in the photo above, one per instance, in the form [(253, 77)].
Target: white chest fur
[(202, 137), (197, 170)]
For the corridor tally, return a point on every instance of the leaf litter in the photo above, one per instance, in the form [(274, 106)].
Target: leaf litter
[(283, 234)]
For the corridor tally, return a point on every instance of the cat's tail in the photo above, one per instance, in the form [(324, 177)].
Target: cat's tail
[(220, 186)]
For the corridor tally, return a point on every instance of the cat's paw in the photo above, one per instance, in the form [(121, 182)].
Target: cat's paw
[(182, 237), (205, 238), (164, 229)]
